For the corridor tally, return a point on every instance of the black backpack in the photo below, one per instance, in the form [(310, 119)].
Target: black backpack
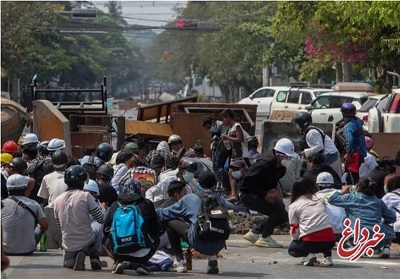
[(212, 220), (38, 168), (91, 168)]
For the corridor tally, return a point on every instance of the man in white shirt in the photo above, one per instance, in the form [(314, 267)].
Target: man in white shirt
[(316, 141), (19, 218), (53, 183)]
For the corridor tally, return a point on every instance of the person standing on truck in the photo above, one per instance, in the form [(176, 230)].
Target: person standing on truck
[(354, 138)]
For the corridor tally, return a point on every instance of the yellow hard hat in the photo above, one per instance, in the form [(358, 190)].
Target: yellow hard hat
[(6, 158)]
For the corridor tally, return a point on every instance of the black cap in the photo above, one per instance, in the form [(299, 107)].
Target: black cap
[(238, 164), (207, 179), (207, 120), (175, 186)]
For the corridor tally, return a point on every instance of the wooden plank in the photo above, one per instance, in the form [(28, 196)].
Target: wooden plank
[(50, 123), (243, 114), (159, 110), (134, 127), (386, 144), (82, 140), (188, 127)]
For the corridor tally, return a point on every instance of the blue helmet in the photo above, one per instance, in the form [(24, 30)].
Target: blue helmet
[(348, 109)]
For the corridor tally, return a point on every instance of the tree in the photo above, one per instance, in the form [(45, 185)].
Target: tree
[(334, 33)]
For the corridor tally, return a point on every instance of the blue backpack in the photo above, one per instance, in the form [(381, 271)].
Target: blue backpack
[(128, 230)]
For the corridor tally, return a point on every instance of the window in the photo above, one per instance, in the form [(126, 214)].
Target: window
[(305, 98), (264, 93), (322, 102), (294, 97), (281, 96)]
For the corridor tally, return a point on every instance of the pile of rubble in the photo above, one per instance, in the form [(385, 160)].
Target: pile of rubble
[(242, 222)]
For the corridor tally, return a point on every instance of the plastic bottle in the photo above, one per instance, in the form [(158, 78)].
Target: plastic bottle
[(43, 247), (188, 258)]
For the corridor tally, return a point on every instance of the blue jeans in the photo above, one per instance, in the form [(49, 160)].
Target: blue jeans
[(331, 158)]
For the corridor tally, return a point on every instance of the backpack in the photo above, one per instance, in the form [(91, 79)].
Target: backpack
[(38, 169), (91, 168), (128, 231), (212, 220)]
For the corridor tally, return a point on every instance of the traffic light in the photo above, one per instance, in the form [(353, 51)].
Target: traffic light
[(187, 24)]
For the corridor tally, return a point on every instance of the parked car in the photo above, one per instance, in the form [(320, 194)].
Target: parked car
[(386, 120), (327, 105), (262, 97), (295, 98), (377, 101)]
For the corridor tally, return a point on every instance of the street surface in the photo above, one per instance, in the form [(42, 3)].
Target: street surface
[(240, 260)]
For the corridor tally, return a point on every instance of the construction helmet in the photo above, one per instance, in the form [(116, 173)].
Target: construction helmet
[(131, 146), (348, 109), (30, 138), (19, 165), (106, 171), (75, 176), (369, 142), (56, 144), (174, 139), (285, 146), (10, 147), (324, 179), (303, 119), (17, 182), (190, 164), (6, 158), (104, 151)]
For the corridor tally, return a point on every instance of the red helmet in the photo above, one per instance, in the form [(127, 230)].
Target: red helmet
[(10, 147)]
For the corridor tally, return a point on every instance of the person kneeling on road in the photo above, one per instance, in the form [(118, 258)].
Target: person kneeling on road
[(72, 211), (188, 207)]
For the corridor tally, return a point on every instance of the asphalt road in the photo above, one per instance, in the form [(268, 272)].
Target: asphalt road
[(241, 259)]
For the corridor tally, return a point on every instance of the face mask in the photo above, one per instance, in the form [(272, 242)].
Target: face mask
[(237, 174), (299, 128), (286, 163), (214, 129), (385, 189), (187, 176)]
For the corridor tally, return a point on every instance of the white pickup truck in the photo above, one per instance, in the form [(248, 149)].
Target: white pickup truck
[(387, 120)]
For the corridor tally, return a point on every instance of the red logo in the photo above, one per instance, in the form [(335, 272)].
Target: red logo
[(362, 242)]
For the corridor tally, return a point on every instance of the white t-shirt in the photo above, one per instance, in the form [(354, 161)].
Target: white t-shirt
[(336, 214), (368, 165), (18, 225), (52, 186), (72, 209), (393, 201)]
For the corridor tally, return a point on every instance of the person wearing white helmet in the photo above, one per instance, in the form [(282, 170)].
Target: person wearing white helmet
[(325, 184), (20, 233), (55, 144), (92, 187), (259, 191), (30, 141)]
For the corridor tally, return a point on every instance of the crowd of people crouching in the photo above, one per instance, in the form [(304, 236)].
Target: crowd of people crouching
[(164, 183)]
